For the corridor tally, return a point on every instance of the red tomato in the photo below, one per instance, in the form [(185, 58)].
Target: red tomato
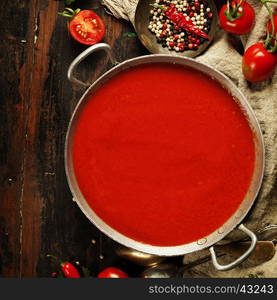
[(87, 27), (239, 23), (257, 63), (112, 272), (69, 270)]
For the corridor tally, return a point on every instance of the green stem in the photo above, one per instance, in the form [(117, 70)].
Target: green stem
[(156, 5), (274, 48), (270, 35), (267, 40), (270, 1), (65, 15), (237, 8), (69, 9), (228, 8), (69, 12), (232, 13)]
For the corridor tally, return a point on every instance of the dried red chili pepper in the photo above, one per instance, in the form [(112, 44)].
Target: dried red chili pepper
[(181, 20)]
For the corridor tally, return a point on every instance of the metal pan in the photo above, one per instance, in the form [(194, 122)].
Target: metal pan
[(233, 222)]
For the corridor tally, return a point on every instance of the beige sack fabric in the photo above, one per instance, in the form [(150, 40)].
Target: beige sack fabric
[(263, 98)]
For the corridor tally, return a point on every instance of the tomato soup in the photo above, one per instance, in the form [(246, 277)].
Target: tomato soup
[(163, 154)]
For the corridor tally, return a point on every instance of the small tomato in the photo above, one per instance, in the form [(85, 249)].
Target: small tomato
[(112, 272), (238, 19), (85, 26), (257, 63)]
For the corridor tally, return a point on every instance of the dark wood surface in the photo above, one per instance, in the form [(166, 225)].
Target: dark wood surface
[(37, 214)]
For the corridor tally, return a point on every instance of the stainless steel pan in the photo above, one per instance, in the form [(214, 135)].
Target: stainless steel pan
[(233, 222)]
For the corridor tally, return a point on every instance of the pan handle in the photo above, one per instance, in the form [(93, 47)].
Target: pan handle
[(83, 55), (241, 258)]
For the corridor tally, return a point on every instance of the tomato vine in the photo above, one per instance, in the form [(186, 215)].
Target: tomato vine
[(271, 36)]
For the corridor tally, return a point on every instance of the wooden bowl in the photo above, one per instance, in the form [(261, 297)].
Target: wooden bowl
[(149, 40)]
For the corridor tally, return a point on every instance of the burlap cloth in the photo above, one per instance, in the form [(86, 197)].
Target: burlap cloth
[(263, 98)]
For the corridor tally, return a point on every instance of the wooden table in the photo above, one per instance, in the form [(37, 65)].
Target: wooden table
[(37, 214)]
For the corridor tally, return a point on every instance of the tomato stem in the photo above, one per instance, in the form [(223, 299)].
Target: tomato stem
[(232, 11), (227, 13), (237, 8), (270, 35), (274, 48), (69, 12)]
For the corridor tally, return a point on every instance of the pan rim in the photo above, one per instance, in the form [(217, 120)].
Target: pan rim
[(245, 205)]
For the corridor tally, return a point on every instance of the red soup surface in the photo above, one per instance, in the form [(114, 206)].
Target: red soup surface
[(163, 154)]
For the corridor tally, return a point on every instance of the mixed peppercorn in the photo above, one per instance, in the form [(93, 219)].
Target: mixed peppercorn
[(181, 25)]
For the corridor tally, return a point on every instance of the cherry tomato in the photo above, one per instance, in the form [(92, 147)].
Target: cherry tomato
[(257, 63), (112, 272), (69, 270), (54, 274), (87, 27), (240, 22)]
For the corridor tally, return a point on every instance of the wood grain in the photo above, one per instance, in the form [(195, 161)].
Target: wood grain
[(12, 133), (37, 214)]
